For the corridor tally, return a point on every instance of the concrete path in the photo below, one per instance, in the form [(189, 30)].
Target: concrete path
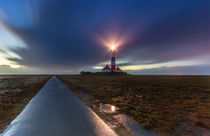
[(56, 111)]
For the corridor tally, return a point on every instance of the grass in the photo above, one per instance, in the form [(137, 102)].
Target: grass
[(12, 103), (159, 103)]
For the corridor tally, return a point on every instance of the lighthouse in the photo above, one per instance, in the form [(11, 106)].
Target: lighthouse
[(113, 68), (113, 65)]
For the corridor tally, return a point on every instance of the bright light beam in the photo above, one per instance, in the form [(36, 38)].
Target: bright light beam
[(113, 47)]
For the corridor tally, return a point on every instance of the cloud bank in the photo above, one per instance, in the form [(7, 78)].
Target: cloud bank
[(67, 35)]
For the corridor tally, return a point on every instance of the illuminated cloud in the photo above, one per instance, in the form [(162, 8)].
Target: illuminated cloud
[(161, 65), (195, 62), (8, 43)]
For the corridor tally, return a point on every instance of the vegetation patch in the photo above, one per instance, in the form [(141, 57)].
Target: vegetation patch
[(158, 103), (15, 93)]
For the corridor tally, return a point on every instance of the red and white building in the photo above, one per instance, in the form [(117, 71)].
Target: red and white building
[(113, 67)]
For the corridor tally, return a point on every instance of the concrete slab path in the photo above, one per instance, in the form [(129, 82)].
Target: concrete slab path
[(56, 111)]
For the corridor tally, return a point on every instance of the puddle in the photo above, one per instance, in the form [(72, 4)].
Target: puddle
[(107, 108), (133, 126)]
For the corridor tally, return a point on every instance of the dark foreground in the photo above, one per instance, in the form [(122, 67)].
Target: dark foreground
[(168, 105), (15, 93), (56, 111)]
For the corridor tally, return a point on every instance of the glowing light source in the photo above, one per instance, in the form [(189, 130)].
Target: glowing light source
[(113, 47), (112, 41)]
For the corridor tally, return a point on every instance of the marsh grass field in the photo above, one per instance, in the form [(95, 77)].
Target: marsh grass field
[(168, 105), (15, 93)]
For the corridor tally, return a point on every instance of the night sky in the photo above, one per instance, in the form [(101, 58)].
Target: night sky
[(67, 36)]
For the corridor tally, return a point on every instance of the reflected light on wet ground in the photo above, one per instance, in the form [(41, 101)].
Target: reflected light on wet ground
[(113, 109), (108, 108)]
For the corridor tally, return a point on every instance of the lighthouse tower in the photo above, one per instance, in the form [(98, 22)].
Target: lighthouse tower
[(113, 65)]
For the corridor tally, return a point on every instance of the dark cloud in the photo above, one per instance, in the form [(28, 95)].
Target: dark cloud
[(63, 33), (180, 36)]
